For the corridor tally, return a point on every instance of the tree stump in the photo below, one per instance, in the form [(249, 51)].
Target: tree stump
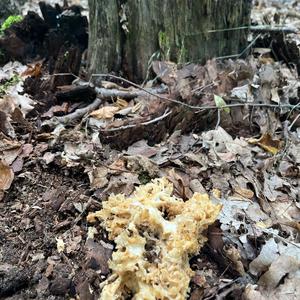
[(126, 35)]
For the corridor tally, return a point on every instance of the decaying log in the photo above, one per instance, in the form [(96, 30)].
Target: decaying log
[(75, 94), (53, 37)]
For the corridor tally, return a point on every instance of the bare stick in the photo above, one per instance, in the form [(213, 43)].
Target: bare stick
[(79, 113), (113, 93), (277, 29), (219, 120), (293, 123), (165, 114)]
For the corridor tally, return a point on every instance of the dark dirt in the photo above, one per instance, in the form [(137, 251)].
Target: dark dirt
[(37, 210)]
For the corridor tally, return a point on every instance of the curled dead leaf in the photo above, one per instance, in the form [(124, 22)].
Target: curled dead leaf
[(245, 193), (233, 254), (106, 112), (121, 103), (98, 177), (109, 85), (6, 176), (34, 70), (267, 143)]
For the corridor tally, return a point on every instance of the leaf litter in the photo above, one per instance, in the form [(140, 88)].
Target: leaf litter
[(66, 158)]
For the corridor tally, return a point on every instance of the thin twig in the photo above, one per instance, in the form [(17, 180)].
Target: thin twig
[(219, 119), (255, 28), (202, 88), (291, 111), (243, 52), (85, 207), (293, 123), (280, 237), (166, 113)]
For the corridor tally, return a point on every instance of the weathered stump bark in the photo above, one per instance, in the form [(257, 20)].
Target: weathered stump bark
[(125, 35)]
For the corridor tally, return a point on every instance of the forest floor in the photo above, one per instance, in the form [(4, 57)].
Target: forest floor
[(67, 144)]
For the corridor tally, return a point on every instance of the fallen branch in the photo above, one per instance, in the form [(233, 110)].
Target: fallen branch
[(275, 29), (79, 113), (114, 93)]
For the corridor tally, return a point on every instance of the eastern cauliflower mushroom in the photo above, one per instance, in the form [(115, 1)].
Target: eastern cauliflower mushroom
[(155, 235)]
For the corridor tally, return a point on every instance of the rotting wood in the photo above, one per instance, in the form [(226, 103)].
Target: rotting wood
[(126, 35), (102, 94), (75, 93)]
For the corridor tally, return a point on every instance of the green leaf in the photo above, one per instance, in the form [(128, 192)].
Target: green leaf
[(220, 103), (10, 21)]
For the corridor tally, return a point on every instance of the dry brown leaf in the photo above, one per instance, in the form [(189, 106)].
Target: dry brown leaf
[(266, 257), (275, 96), (73, 244), (166, 71), (109, 85), (98, 177), (33, 70), (121, 103), (9, 149), (282, 266), (140, 163), (181, 184), (106, 112), (267, 143), (117, 167), (142, 148), (99, 254), (7, 105), (6, 176), (123, 184), (233, 254), (245, 193)]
